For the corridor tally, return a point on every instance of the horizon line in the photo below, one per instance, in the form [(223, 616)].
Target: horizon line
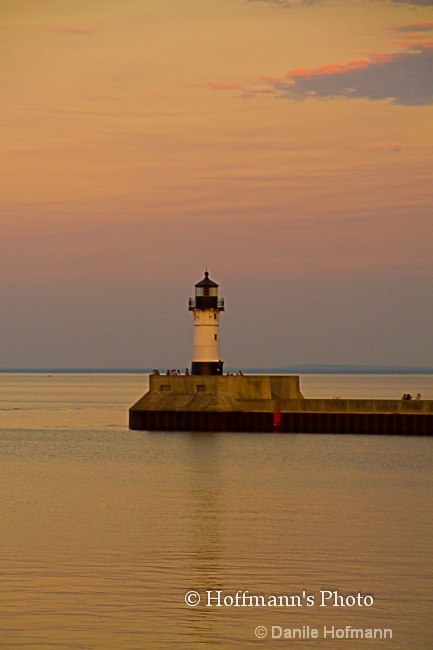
[(289, 369)]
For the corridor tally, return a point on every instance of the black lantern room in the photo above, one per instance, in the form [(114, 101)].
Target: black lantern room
[(206, 295)]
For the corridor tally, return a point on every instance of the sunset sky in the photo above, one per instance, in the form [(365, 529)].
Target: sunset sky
[(284, 145)]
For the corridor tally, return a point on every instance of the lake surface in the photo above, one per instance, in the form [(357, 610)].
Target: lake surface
[(104, 530)]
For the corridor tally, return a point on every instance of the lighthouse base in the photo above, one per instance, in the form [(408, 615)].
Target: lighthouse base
[(207, 367)]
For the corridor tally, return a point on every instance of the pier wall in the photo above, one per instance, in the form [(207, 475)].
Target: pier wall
[(269, 403)]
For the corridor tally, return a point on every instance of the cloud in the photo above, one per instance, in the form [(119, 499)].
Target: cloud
[(378, 148), (228, 86), (73, 30), (414, 35), (419, 3), (411, 28), (413, 43), (404, 78), (287, 4)]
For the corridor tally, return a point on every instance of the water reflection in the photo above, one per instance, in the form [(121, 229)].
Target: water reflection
[(205, 497)]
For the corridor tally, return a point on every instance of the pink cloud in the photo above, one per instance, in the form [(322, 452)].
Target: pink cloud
[(404, 78), (412, 34), (329, 69), (420, 3), (425, 43), (411, 28)]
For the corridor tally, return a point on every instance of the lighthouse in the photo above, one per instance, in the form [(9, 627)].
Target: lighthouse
[(206, 401), (206, 308)]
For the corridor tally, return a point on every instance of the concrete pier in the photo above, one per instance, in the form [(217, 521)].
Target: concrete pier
[(268, 403)]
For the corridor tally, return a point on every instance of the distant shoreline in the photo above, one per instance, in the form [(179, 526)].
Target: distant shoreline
[(285, 370)]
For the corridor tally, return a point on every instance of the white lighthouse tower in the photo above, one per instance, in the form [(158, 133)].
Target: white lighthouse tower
[(206, 308)]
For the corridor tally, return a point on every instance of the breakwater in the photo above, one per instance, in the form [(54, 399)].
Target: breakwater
[(269, 403)]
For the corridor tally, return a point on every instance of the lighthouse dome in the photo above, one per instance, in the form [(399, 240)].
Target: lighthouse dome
[(206, 282)]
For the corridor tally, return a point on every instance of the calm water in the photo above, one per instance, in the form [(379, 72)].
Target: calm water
[(103, 530)]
